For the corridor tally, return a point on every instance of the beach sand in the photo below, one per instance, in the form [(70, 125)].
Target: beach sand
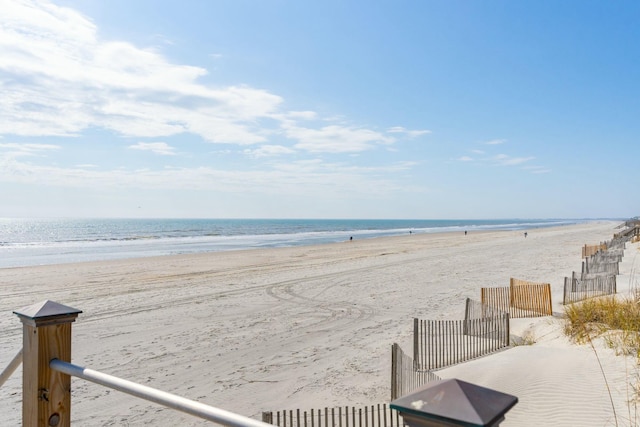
[(312, 327)]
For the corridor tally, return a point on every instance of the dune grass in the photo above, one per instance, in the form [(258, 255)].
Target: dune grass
[(617, 320)]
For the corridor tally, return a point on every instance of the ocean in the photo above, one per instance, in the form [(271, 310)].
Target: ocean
[(28, 242)]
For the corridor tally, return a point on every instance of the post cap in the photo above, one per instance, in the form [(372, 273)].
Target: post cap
[(47, 312), (453, 402)]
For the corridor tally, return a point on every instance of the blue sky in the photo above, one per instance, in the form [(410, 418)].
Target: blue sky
[(319, 109)]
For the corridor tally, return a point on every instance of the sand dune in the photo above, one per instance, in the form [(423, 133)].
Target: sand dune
[(310, 327)]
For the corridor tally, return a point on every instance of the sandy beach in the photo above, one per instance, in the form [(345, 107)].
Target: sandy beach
[(312, 327)]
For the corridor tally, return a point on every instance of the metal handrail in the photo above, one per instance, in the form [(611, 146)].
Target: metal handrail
[(169, 400), (10, 369)]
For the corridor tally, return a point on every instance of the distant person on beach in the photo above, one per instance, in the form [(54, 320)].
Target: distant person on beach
[(525, 234), (465, 232), (350, 238)]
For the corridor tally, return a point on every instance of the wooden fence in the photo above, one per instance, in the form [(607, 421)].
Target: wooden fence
[(578, 289), (440, 343), (611, 255), (628, 233), (380, 415), (600, 267), (520, 299), (588, 250), (405, 378)]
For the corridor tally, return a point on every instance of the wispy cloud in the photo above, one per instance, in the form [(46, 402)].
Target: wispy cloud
[(537, 169), (161, 148), (503, 160), (336, 139), (299, 177), (268, 151), (59, 78), (14, 150), (409, 133), (506, 160), (496, 142)]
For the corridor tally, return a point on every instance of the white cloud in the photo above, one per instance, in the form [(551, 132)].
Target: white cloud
[(161, 148), (496, 142), (286, 178), (268, 151), (506, 160), (537, 169), (59, 78), (14, 150), (409, 133), (336, 139)]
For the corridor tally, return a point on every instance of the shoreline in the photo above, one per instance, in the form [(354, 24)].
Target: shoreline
[(275, 328), (425, 236), (51, 242)]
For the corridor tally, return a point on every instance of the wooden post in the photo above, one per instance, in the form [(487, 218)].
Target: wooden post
[(394, 372), (46, 394), (417, 363)]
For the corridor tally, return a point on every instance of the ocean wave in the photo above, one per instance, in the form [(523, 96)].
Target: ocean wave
[(71, 241)]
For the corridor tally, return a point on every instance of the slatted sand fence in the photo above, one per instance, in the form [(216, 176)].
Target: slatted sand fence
[(404, 376), (609, 255), (380, 415), (628, 233), (441, 343), (587, 286), (520, 299), (598, 275), (404, 380), (588, 250), (612, 267)]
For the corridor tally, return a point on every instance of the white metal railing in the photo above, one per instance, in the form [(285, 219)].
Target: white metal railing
[(169, 400), (10, 369)]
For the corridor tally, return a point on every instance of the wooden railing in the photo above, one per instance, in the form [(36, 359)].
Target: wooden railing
[(11, 368), (47, 372), (163, 398)]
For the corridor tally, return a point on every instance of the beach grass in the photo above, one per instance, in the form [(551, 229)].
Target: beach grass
[(617, 320)]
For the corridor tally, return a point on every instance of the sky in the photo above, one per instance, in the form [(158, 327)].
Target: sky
[(417, 109)]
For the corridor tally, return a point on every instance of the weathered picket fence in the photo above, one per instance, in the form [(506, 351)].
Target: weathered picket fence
[(520, 299), (632, 229), (588, 286), (610, 267), (440, 343), (380, 415), (588, 250), (609, 255), (404, 376)]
